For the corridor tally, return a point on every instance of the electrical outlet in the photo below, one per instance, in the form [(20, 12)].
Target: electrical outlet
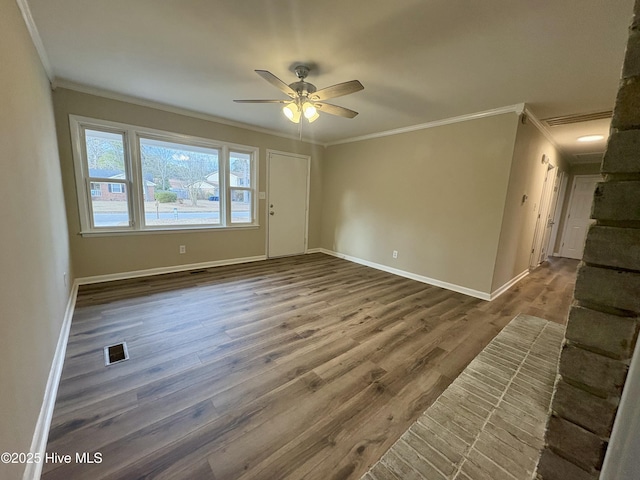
[(183, 249), (395, 254)]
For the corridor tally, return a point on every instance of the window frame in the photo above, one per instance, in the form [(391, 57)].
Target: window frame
[(133, 183)]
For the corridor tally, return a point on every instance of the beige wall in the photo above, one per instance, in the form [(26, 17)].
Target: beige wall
[(125, 253), (519, 220), (34, 249), (435, 195)]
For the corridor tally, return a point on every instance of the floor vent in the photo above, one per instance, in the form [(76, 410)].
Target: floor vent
[(115, 353)]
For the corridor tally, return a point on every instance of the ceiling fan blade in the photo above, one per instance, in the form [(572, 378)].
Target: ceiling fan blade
[(276, 82), (336, 110), (338, 90), (261, 101)]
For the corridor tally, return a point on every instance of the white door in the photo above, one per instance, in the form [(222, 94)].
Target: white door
[(578, 221), (288, 188)]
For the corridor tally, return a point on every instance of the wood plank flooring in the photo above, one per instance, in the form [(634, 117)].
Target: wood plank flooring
[(304, 367), (490, 422)]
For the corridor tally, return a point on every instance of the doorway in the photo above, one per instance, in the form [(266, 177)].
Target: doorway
[(538, 250), (288, 203), (578, 215)]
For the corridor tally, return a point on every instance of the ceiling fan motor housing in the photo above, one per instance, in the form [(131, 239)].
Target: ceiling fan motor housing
[(303, 88)]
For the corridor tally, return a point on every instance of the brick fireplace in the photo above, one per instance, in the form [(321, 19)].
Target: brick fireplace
[(603, 322)]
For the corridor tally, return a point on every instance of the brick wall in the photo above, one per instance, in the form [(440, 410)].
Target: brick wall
[(603, 321)]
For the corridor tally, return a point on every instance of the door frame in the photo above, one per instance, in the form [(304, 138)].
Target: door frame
[(550, 217), (562, 194), (543, 208), (569, 203), (268, 194)]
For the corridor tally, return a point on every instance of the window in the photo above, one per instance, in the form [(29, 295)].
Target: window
[(95, 190), (240, 187), (105, 168), (116, 188), (185, 183), (137, 179)]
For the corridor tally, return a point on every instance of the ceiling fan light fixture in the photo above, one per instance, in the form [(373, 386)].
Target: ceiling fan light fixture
[(292, 112), (309, 109), (310, 112)]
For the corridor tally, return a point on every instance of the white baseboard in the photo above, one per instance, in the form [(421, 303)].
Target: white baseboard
[(162, 270), (41, 433), (496, 293), (413, 276), (314, 250)]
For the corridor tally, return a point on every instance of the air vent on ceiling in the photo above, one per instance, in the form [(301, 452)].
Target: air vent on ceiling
[(578, 118), (595, 157)]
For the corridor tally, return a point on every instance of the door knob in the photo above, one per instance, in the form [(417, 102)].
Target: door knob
[(272, 213)]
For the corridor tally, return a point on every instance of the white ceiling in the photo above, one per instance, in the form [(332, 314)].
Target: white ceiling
[(419, 60), (582, 152)]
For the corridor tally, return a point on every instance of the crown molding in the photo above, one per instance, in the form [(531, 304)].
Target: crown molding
[(539, 125), (100, 92), (518, 109), (571, 159), (35, 37)]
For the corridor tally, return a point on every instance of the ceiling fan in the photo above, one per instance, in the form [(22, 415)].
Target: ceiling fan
[(305, 99)]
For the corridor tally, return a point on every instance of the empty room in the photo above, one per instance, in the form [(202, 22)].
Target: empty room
[(320, 240)]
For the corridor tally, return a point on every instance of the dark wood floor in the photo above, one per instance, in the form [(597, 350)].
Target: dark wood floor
[(305, 367)]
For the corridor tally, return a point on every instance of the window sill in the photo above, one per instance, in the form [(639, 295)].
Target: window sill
[(164, 231)]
